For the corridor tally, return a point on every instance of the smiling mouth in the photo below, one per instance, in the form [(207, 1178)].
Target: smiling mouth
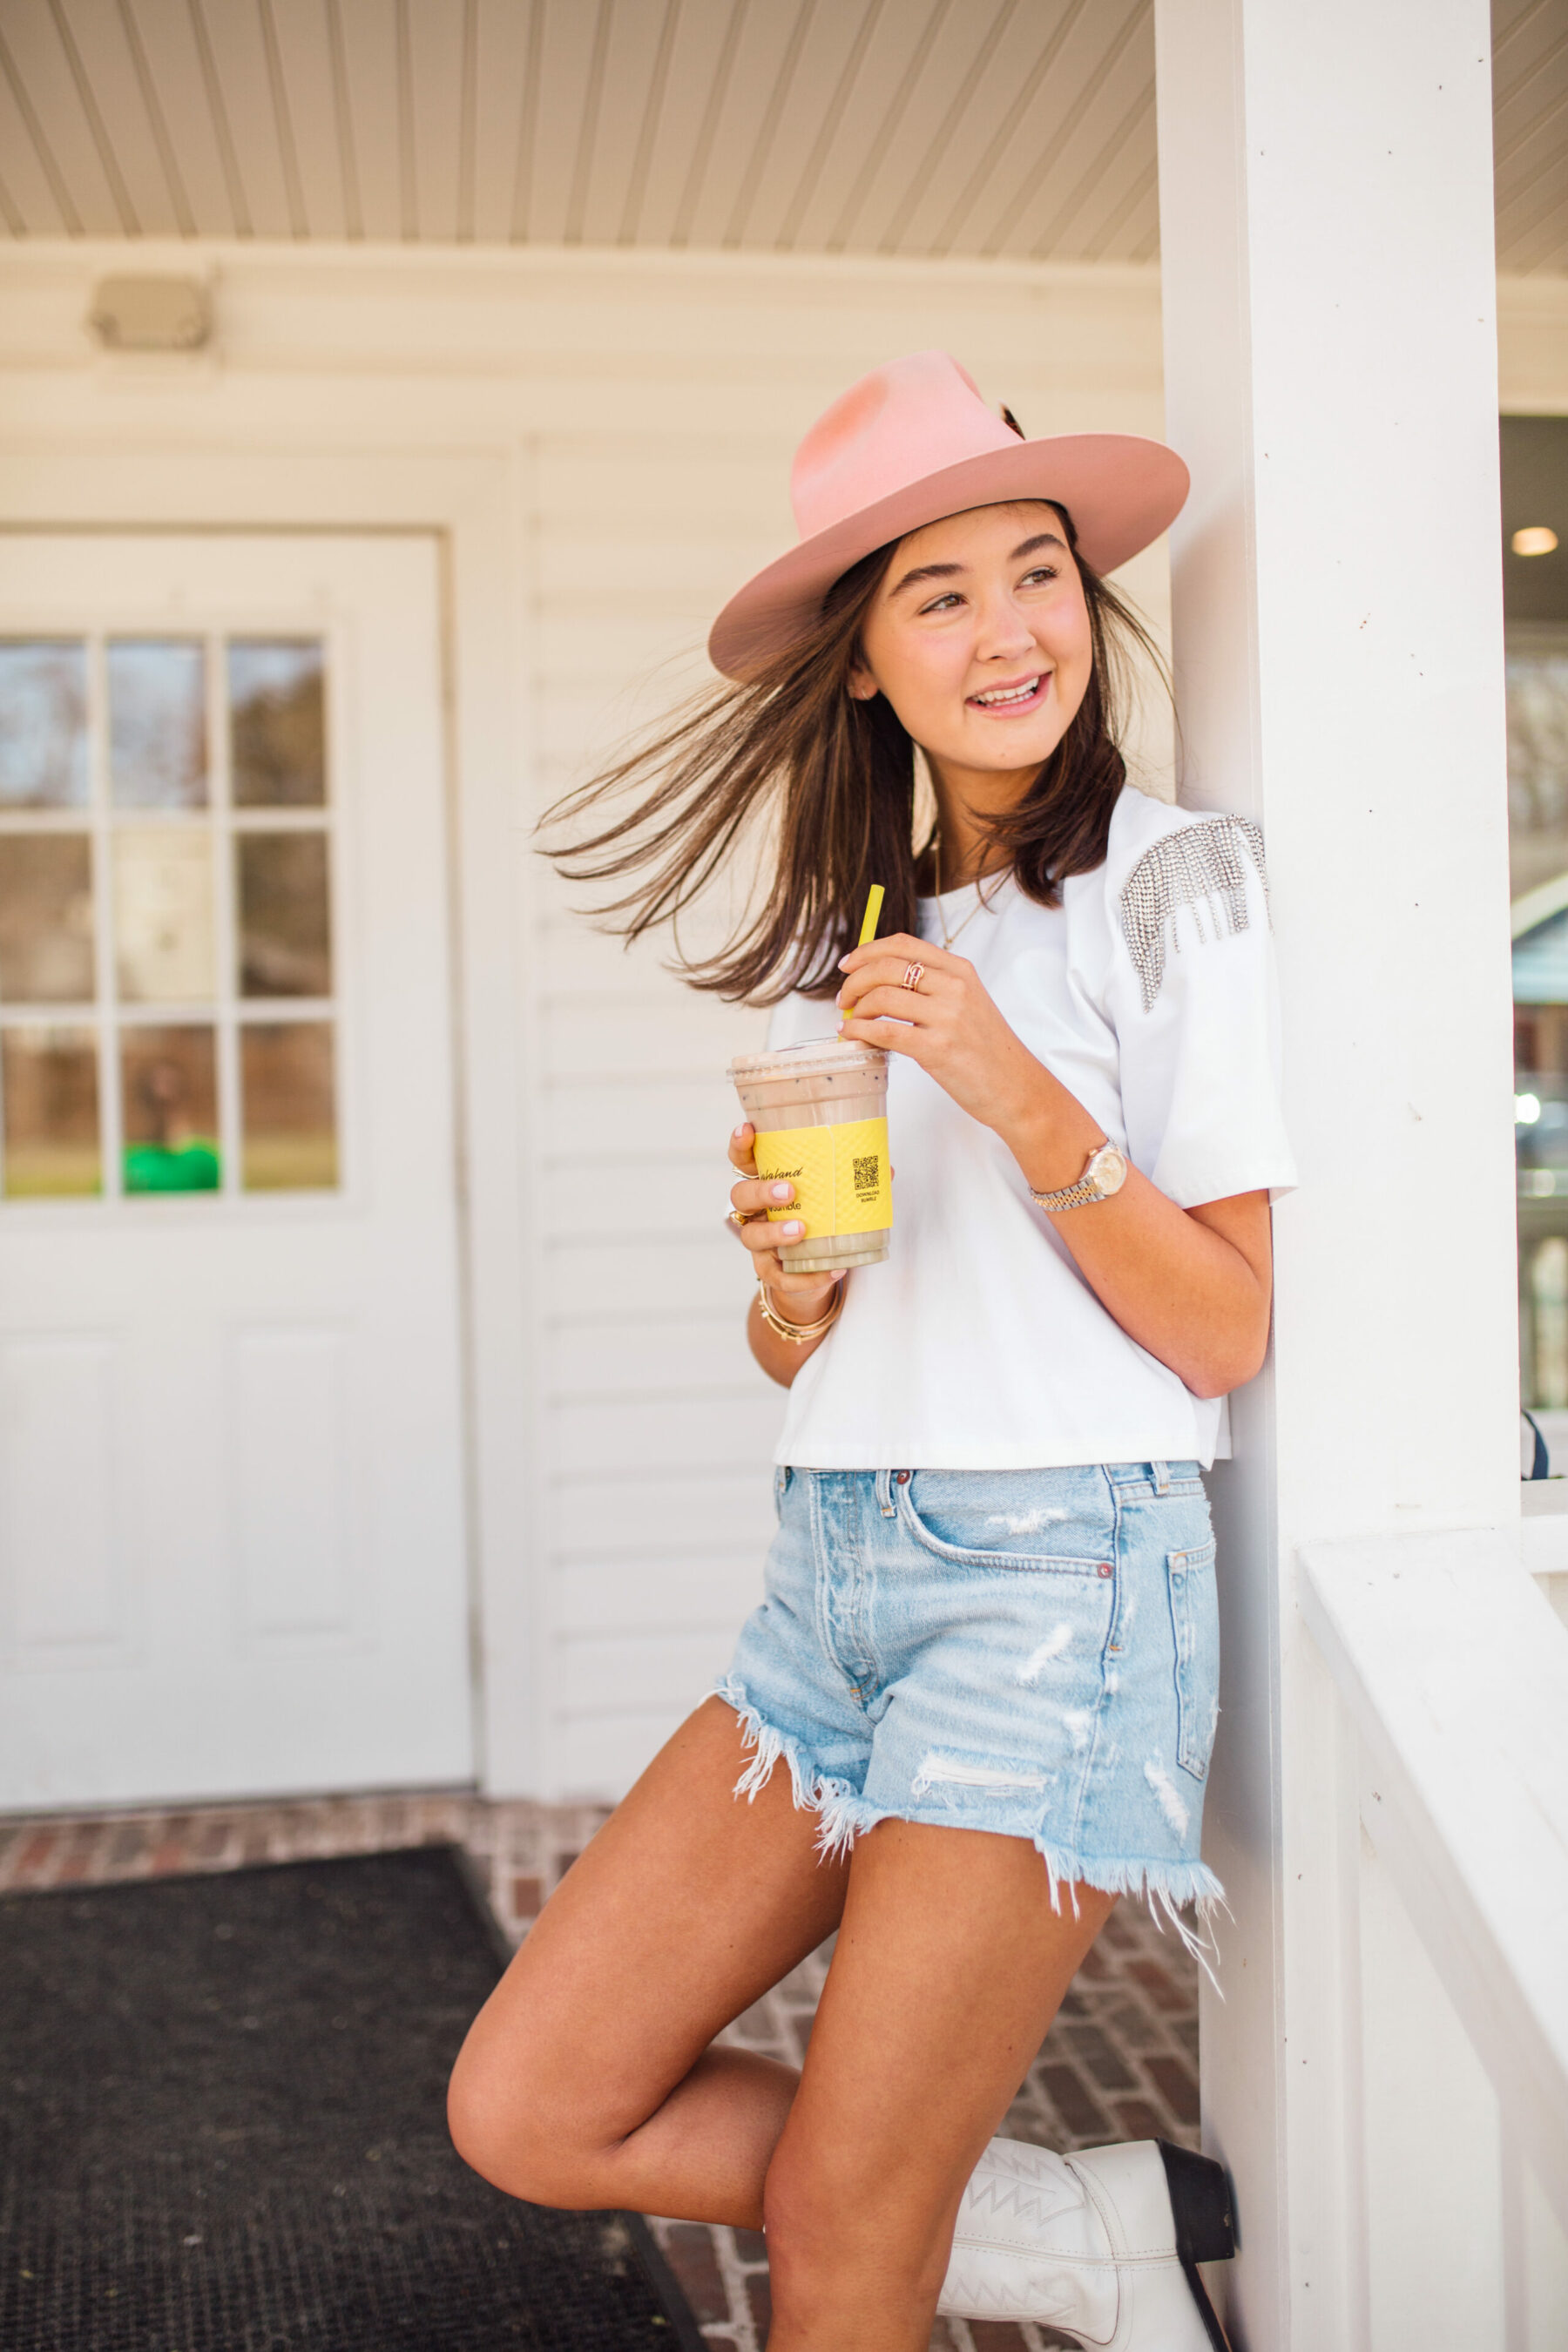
[(1023, 695)]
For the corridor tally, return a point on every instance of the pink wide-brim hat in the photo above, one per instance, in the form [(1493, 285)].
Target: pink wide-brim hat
[(910, 443)]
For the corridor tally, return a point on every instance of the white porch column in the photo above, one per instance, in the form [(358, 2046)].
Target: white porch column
[(1326, 221)]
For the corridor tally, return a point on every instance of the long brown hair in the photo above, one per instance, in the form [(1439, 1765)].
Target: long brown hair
[(821, 788)]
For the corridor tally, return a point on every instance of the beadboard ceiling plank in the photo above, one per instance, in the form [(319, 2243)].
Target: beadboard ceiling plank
[(1020, 89), (956, 62), (1530, 109), (504, 33), (874, 122), (369, 37), (168, 42), (39, 196), (97, 195), (565, 51), (305, 47), (769, 37), (117, 93), (1082, 186), (677, 144), (244, 81), (1053, 165), (803, 120), (623, 66), (438, 94)]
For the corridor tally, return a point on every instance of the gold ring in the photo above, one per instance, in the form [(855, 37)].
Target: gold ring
[(913, 976), (744, 1216)]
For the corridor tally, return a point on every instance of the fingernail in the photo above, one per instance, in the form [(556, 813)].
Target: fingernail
[(780, 1192), (740, 1130), (843, 963), (793, 1230)]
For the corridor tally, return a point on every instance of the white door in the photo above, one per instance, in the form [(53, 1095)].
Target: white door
[(231, 1495)]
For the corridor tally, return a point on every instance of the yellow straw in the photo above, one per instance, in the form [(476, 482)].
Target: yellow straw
[(868, 922)]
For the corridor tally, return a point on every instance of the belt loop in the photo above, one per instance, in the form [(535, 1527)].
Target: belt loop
[(1161, 1474), (885, 1493)]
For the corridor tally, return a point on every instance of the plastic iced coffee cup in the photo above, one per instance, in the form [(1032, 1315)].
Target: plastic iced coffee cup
[(820, 1111)]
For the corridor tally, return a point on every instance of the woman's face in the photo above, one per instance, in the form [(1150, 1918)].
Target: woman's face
[(979, 638)]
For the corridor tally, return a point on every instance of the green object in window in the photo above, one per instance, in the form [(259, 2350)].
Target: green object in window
[(172, 1168)]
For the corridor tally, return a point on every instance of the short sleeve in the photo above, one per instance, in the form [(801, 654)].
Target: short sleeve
[(1194, 1004)]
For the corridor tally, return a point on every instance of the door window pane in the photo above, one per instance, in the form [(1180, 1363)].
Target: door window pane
[(46, 918), (163, 915), (168, 1079), (49, 1090), (157, 724), (278, 723), (43, 724), (287, 1109), (285, 929)]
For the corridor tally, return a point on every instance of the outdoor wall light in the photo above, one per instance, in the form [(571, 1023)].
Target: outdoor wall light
[(152, 314), (1536, 538), (1526, 1109)]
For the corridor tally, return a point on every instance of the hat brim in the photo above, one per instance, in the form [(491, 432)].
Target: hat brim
[(1120, 490)]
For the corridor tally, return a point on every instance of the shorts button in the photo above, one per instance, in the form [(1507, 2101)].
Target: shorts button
[(1105, 1568), (904, 1477)]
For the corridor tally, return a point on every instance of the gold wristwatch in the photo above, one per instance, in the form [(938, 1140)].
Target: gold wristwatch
[(1105, 1172)]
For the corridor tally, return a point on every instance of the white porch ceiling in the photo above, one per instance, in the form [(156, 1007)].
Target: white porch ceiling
[(1018, 128)]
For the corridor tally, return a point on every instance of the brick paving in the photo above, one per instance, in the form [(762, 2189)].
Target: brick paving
[(1119, 2063)]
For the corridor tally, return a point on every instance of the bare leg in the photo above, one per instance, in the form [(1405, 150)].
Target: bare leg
[(949, 1965), (587, 2077), (588, 2080)]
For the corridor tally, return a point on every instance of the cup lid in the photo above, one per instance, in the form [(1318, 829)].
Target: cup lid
[(814, 1057)]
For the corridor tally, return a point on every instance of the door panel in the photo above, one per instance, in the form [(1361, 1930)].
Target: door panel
[(232, 1555)]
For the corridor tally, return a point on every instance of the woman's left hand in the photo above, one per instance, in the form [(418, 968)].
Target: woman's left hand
[(947, 1023)]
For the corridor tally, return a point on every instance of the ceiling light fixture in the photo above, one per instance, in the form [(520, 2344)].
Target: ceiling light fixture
[(1538, 539)]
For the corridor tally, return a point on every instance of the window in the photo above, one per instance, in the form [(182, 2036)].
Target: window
[(168, 1005)]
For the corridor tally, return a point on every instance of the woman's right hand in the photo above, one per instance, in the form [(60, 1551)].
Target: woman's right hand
[(798, 1297)]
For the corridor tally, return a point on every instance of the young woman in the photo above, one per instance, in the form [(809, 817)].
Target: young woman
[(987, 1659)]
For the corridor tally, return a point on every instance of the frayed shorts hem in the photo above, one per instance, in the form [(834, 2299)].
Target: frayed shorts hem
[(1163, 1884)]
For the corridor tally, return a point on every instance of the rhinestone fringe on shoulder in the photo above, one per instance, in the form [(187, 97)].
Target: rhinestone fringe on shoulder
[(1202, 867)]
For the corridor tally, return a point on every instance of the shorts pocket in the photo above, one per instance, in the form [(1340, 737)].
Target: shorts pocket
[(1039, 1520), (1194, 1622)]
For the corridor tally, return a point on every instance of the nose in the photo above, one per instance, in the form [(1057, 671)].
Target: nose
[(1004, 634)]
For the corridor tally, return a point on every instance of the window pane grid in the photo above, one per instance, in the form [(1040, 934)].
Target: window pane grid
[(178, 983)]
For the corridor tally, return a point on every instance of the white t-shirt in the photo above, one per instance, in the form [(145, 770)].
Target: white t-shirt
[(1149, 994)]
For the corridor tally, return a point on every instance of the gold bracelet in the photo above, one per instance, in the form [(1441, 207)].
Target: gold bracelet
[(797, 1333)]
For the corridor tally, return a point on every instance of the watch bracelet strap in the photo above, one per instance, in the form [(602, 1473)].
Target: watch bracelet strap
[(1071, 1196), (1074, 1196)]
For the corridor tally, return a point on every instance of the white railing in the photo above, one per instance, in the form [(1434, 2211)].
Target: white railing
[(1450, 1665)]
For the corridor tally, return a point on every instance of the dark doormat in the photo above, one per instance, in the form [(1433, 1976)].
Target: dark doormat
[(222, 2129)]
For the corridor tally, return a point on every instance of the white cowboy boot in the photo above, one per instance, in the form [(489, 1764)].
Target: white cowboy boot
[(1103, 2244)]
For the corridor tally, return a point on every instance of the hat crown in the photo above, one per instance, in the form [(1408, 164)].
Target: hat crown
[(901, 422)]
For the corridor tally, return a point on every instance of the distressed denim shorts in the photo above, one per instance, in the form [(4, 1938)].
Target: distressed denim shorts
[(1030, 1652)]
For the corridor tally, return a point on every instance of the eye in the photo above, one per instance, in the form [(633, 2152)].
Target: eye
[(945, 603), (1041, 572)]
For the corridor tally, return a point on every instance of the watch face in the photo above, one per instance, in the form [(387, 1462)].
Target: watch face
[(1108, 1170)]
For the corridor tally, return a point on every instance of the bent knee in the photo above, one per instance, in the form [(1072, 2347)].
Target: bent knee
[(512, 2127)]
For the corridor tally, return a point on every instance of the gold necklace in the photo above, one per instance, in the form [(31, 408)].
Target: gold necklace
[(981, 899)]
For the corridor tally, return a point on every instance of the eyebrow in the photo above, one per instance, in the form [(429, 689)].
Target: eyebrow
[(924, 571)]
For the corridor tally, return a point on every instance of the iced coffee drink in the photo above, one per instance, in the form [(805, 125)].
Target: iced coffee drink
[(820, 1111)]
